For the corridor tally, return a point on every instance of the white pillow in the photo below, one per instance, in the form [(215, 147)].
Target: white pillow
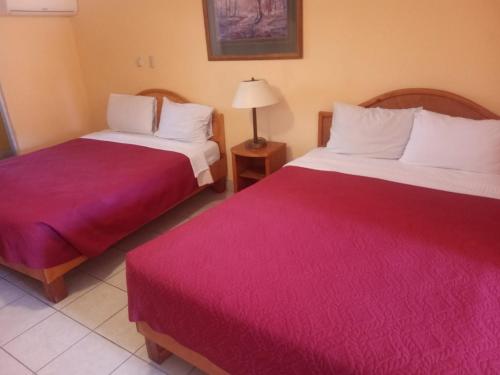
[(187, 122), (131, 113), (371, 132), (454, 142)]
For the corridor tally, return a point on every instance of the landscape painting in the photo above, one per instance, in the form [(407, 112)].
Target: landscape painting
[(251, 19), (253, 29)]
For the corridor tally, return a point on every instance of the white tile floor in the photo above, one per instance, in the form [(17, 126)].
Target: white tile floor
[(88, 332)]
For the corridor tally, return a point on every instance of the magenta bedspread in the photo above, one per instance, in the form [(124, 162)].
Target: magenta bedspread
[(312, 272), (80, 197)]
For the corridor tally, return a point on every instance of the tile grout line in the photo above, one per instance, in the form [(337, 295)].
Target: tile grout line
[(60, 354), (152, 364), (17, 360), (121, 364), (94, 329), (79, 323), (88, 334), (15, 286), (14, 300), (108, 319), (91, 331), (87, 292), (113, 315), (114, 286), (76, 342), (80, 296), (110, 277), (69, 317), (31, 293), (62, 312), (112, 274), (30, 327), (114, 343), (27, 329)]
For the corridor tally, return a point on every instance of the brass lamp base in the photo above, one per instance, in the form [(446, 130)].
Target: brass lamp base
[(251, 144)]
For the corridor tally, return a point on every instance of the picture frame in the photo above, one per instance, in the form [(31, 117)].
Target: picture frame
[(253, 29)]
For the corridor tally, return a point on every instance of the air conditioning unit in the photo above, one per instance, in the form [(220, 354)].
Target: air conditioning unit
[(38, 7)]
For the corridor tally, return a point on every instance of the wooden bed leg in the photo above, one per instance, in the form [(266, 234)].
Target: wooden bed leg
[(156, 353), (55, 291), (219, 186)]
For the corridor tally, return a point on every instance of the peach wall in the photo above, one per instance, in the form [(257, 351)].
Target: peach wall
[(41, 79), (354, 49)]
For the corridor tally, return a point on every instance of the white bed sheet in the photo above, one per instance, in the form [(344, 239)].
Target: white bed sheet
[(485, 185), (200, 155)]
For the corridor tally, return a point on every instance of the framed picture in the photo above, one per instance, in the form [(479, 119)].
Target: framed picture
[(253, 29)]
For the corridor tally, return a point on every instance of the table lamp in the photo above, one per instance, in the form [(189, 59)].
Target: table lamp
[(254, 93)]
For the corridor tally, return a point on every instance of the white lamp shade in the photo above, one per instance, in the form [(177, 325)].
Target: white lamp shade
[(254, 94)]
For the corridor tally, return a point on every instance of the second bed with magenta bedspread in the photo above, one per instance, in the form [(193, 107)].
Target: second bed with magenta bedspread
[(315, 272)]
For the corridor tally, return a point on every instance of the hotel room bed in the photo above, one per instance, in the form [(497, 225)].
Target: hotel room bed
[(64, 204), (333, 265)]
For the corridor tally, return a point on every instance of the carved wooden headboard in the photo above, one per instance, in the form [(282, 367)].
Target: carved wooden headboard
[(217, 118), (430, 99)]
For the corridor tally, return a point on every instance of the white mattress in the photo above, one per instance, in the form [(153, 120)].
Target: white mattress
[(201, 155), (485, 185)]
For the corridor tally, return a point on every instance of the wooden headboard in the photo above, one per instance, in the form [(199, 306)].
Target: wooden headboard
[(430, 99), (217, 118)]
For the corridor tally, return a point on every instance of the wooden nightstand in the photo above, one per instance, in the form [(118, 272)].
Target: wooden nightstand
[(250, 166)]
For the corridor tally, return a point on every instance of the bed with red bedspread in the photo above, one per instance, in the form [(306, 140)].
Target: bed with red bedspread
[(318, 272), (65, 204), (96, 193)]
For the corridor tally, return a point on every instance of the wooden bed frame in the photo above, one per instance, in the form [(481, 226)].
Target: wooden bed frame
[(53, 278), (160, 345), (433, 100)]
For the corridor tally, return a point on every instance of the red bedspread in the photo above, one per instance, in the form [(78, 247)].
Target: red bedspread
[(82, 196), (312, 272)]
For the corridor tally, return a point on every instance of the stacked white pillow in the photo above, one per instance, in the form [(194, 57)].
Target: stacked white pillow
[(443, 141), (186, 122), (370, 132), (131, 113)]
